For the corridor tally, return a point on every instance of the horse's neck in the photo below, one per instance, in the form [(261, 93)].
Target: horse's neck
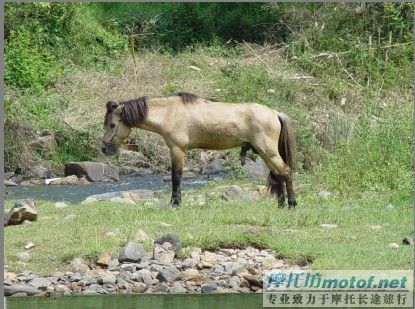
[(156, 116)]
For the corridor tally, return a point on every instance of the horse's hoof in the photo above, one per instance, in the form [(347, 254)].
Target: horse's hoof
[(281, 205), (292, 204)]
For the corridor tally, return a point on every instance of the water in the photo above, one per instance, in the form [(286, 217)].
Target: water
[(190, 301), (76, 194)]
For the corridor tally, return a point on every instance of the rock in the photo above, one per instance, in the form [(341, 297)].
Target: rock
[(29, 245), (94, 289), (23, 209), (255, 280), (93, 171), (40, 172), (118, 199), (104, 259), (216, 166), (324, 194), (132, 159), (107, 278), (171, 238), (138, 195), (62, 289), (53, 181), (40, 283), (79, 265), (209, 287), (189, 263), (257, 169), (23, 256), (89, 200), (132, 252), (189, 273), (141, 236), (9, 183), (163, 253), (408, 240), (139, 287), (122, 196), (70, 180), (393, 245), (234, 281), (143, 275), (235, 192), (14, 289), (271, 90), (44, 144), (60, 205), (328, 226), (168, 274), (177, 289), (83, 181), (209, 257)]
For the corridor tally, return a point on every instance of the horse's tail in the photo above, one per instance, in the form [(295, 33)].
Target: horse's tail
[(286, 142)]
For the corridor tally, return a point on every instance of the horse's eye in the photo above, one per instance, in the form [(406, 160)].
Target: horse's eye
[(112, 125)]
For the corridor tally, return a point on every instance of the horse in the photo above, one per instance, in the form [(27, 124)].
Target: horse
[(187, 121)]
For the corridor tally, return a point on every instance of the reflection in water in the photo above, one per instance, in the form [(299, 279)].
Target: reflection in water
[(76, 194)]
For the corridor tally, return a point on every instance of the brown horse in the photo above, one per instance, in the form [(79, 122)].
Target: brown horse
[(186, 121)]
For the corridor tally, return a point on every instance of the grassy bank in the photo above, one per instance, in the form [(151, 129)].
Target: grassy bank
[(367, 222)]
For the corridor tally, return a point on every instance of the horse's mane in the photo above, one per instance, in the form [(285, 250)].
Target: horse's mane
[(135, 111)]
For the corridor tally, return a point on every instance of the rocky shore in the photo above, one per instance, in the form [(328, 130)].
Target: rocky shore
[(135, 271)]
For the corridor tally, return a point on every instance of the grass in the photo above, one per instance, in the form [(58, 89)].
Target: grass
[(294, 235)]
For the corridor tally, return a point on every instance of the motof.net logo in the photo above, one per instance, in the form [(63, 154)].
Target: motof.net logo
[(276, 280)]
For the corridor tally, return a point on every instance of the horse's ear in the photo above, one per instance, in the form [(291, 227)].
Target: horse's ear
[(111, 106)]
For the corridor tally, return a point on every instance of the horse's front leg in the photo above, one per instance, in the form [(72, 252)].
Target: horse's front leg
[(177, 163)]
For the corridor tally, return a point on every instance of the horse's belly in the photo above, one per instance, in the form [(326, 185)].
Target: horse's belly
[(214, 142)]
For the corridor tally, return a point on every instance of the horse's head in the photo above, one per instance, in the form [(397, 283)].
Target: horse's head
[(115, 129)]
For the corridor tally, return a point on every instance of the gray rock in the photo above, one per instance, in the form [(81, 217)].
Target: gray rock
[(214, 167), (94, 171), (132, 252), (144, 275), (163, 253), (171, 238), (328, 226), (23, 209), (393, 245), (177, 289), (189, 263), (234, 281), (71, 180), (62, 289), (168, 274), (139, 287), (95, 289), (9, 183), (257, 169), (60, 205), (23, 256), (209, 287), (235, 192), (255, 280), (13, 289), (79, 265), (107, 278), (40, 283), (189, 273), (40, 171)]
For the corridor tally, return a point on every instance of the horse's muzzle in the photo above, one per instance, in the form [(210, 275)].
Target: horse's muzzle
[(108, 149)]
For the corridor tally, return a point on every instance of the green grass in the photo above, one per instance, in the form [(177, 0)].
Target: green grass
[(352, 245)]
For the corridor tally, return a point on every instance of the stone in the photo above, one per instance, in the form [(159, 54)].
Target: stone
[(168, 274), (163, 253), (23, 256), (209, 287), (104, 259), (94, 289), (14, 289), (165, 225), (408, 241), (209, 257), (235, 192), (83, 181), (324, 194), (53, 181), (135, 159), (9, 183), (60, 205), (141, 236), (234, 281), (393, 245), (29, 245), (256, 169), (189, 263), (89, 200), (216, 166), (71, 180), (132, 252), (189, 273), (138, 195), (40, 171), (94, 171), (139, 287), (171, 238), (177, 289), (40, 283), (143, 275), (79, 265), (255, 280), (23, 209), (62, 289), (328, 226), (118, 199), (107, 278)]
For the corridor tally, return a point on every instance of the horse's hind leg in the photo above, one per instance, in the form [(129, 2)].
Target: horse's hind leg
[(276, 186), (177, 163), (245, 147)]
